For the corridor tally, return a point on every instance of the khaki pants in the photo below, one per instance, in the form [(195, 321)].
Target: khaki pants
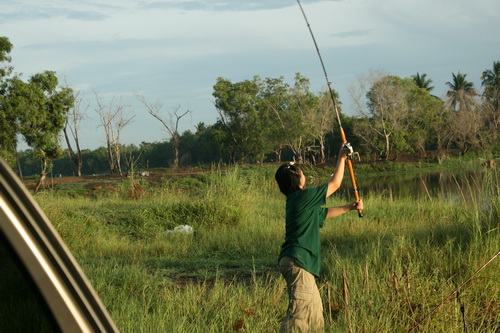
[(305, 309)]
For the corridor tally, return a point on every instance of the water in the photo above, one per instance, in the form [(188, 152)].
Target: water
[(461, 186)]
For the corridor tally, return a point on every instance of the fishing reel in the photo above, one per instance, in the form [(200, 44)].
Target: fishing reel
[(349, 151)]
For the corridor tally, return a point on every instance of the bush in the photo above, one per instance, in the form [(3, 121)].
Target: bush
[(207, 213)]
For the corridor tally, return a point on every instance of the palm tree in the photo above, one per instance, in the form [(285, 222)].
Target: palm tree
[(422, 82), (491, 84), (461, 93)]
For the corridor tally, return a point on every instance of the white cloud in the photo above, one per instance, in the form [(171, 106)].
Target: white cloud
[(174, 50)]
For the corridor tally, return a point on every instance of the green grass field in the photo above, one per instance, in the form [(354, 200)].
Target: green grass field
[(382, 273)]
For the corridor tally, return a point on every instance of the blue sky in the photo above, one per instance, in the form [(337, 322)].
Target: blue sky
[(174, 51)]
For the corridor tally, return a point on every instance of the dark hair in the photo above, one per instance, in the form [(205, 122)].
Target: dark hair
[(288, 177)]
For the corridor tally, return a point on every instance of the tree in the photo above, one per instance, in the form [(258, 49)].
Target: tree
[(425, 122), (72, 125), (297, 112), (421, 82), (262, 116), (325, 118), (238, 105), (171, 125), (275, 99), (441, 130), (491, 103), (466, 119), (41, 108), (491, 83), (301, 117), (113, 121), (8, 123), (132, 156), (203, 146), (386, 113), (5, 49), (461, 94)]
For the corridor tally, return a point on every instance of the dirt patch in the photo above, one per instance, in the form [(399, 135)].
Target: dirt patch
[(99, 180), (52, 181)]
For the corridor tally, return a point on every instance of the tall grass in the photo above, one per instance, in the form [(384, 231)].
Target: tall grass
[(382, 273)]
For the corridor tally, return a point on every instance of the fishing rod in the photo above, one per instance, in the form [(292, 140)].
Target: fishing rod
[(347, 146)]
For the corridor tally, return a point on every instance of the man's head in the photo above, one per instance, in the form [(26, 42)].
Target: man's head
[(290, 178)]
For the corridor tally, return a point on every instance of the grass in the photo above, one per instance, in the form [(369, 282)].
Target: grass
[(382, 273)]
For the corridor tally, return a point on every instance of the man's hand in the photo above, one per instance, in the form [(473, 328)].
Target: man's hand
[(357, 205), (342, 152), (336, 211)]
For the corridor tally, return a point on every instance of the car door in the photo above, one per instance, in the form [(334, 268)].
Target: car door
[(42, 287)]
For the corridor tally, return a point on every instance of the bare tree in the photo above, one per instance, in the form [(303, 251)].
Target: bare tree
[(75, 116), (324, 122), (364, 128), (291, 121), (131, 162), (113, 121), (444, 133), (171, 124), (468, 128), (386, 112)]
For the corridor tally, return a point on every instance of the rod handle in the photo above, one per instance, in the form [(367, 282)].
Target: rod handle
[(354, 185)]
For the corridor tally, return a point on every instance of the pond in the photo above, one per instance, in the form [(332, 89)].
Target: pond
[(460, 186)]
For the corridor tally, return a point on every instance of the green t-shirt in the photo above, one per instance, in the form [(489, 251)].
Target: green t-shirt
[(304, 217)]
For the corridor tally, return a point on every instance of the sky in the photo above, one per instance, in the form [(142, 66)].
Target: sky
[(172, 52)]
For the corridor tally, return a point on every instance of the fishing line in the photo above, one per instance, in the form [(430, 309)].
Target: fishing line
[(322, 66), (453, 293), (347, 145)]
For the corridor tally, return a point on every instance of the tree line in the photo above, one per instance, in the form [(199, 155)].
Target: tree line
[(398, 115), (259, 120)]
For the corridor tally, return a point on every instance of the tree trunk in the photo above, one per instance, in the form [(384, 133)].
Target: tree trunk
[(323, 156), (175, 141), (75, 157), (43, 175), (118, 164), (387, 147), (277, 153), (111, 160), (79, 163), (19, 165)]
